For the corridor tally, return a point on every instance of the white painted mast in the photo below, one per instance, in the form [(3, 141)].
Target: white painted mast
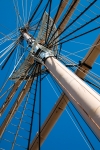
[(74, 88), (79, 93), (84, 98)]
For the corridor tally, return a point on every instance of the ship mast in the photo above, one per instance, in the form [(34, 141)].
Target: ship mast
[(84, 98)]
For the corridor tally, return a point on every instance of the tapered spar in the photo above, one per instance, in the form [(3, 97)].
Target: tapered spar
[(80, 94), (74, 89), (84, 98)]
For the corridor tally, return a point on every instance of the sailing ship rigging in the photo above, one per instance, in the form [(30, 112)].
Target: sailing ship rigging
[(34, 52)]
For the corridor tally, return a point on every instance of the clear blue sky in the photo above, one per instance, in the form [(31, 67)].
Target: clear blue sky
[(64, 135)]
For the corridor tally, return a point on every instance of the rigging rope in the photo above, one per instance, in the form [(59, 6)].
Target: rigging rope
[(72, 21)]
